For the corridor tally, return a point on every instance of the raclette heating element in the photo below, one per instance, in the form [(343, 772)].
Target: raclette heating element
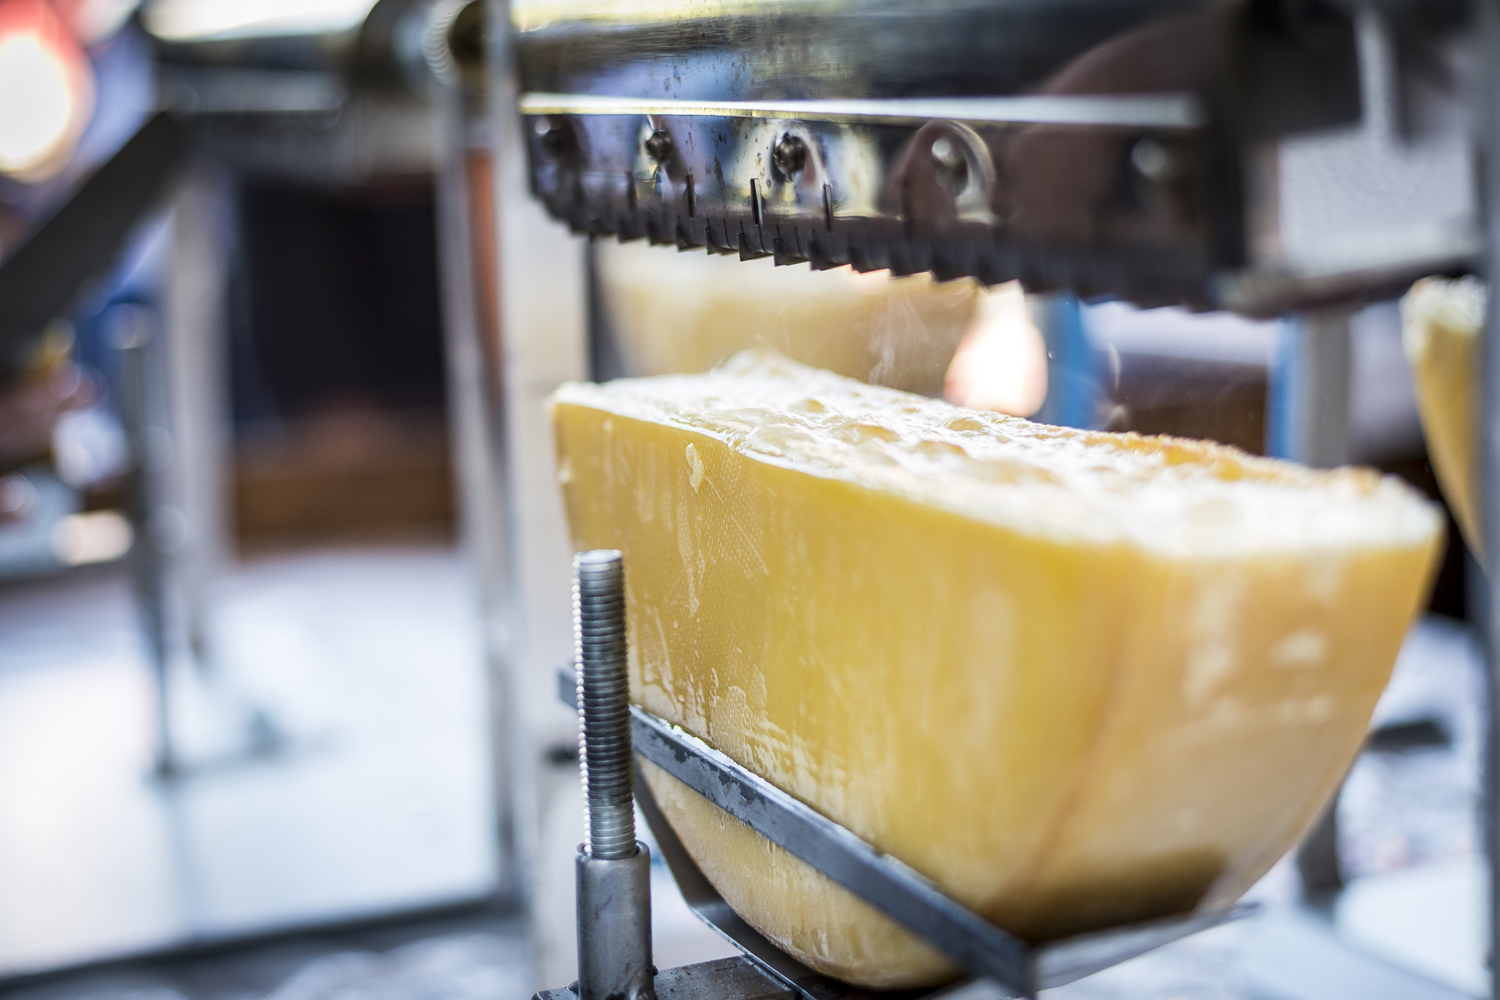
[(1161, 151)]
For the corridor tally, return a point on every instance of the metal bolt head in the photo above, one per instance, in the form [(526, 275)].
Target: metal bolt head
[(556, 137), (659, 146), (949, 162), (1153, 160), (790, 154), (946, 152)]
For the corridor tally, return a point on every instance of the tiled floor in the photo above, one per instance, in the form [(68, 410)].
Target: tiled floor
[(380, 800), (474, 956)]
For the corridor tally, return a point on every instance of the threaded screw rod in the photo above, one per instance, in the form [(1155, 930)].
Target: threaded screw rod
[(603, 702)]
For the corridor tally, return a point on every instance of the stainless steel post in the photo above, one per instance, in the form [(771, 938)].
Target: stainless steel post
[(132, 331), (1488, 15), (1314, 384), (471, 329), (542, 296), (614, 869), (194, 334)]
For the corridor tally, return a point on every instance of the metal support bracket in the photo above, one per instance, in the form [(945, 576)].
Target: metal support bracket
[(905, 895)]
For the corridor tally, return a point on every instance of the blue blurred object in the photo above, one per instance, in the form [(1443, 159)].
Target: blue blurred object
[(1072, 369)]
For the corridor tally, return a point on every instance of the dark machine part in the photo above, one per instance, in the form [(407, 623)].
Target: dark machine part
[(1107, 148), (43, 277), (335, 105)]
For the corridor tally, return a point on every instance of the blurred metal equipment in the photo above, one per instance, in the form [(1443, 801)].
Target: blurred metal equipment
[(1487, 16), (1257, 155), (41, 279), (613, 868), (1316, 367), (1163, 152), (138, 346), (514, 332), (324, 91), (320, 94), (348, 824), (454, 45), (984, 950)]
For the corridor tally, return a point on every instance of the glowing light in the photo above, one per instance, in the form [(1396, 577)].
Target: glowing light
[(92, 21), (46, 90), (184, 20), (98, 536), (1001, 364), (38, 107)]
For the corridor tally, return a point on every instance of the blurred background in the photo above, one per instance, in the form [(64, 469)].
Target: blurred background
[(252, 728)]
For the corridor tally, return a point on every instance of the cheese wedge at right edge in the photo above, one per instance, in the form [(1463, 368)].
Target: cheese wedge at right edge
[(1074, 678), (1441, 320)]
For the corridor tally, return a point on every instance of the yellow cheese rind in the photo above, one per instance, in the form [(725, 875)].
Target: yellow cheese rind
[(1440, 324), (1074, 678)]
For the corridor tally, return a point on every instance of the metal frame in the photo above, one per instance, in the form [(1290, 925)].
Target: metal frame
[(542, 342), (879, 879), (1011, 140), (883, 881), (1487, 127), (1315, 285)]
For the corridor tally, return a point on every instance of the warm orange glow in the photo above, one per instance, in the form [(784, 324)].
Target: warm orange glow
[(46, 90), (1001, 364), (93, 21)]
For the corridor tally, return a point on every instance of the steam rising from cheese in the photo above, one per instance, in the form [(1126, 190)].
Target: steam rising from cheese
[(1075, 678)]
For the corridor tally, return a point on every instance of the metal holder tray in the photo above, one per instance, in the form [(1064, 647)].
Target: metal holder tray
[(1014, 967)]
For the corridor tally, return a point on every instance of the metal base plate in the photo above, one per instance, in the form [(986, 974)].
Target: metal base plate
[(721, 979)]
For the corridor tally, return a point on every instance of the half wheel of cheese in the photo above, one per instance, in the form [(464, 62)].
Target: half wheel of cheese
[(1074, 678)]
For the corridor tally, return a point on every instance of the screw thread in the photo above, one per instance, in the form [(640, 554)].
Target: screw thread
[(603, 702)]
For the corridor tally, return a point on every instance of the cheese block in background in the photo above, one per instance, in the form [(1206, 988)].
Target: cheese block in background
[(675, 312), (1440, 325), (1075, 678)]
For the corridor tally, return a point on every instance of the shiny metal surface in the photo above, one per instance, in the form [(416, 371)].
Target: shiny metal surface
[(604, 756), (1487, 603), (1092, 145), (612, 868), (331, 92), (874, 195), (891, 886), (1157, 152), (706, 903), (533, 275), (984, 949), (466, 249), (614, 926), (877, 878), (826, 49), (721, 979), (1169, 110)]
